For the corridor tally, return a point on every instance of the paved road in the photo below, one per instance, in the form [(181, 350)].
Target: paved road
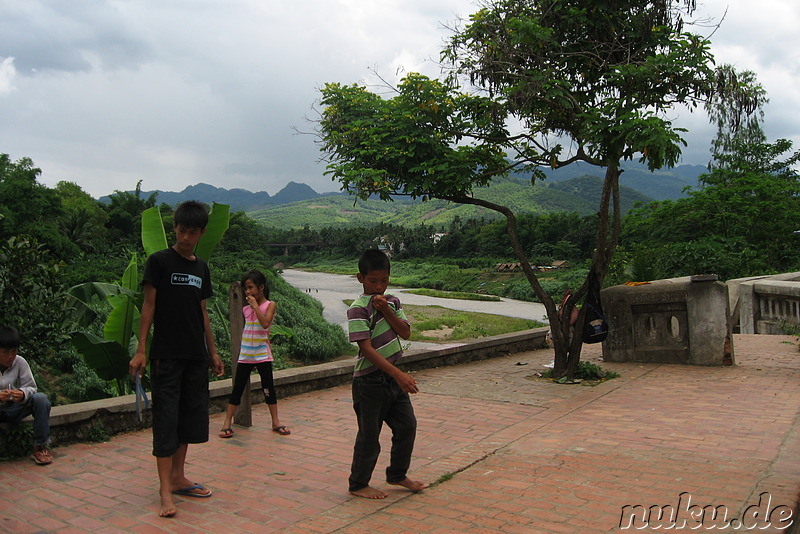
[(332, 289), (512, 453)]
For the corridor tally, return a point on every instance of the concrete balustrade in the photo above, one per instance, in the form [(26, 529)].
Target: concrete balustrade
[(678, 320), (765, 304)]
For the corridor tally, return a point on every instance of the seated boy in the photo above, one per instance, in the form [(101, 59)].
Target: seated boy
[(18, 395)]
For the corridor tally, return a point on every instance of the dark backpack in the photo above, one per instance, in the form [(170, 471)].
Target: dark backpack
[(595, 326)]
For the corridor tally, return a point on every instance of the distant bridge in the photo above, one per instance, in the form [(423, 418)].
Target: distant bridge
[(287, 246)]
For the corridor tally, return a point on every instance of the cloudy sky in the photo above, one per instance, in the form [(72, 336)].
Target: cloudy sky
[(176, 92)]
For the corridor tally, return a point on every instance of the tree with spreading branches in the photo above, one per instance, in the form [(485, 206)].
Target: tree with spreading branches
[(551, 83)]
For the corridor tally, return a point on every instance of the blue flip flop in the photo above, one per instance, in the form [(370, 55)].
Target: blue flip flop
[(189, 491)]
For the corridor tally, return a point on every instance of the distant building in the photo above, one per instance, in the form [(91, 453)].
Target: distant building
[(508, 267)]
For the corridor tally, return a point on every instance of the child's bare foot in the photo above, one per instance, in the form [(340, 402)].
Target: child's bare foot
[(370, 493), (411, 485), (167, 506)]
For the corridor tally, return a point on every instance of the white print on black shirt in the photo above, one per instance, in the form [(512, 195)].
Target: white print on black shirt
[(179, 279)]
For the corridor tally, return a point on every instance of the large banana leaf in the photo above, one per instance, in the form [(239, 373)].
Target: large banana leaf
[(218, 221), (80, 296), (130, 278), (279, 330), (94, 291), (153, 236), (107, 358), (120, 322)]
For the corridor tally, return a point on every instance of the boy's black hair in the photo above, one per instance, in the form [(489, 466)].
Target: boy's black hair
[(258, 278), (373, 260), (191, 214), (9, 337)]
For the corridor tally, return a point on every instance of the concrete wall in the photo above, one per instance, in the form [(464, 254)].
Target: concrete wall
[(77, 422), (765, 304), (679, 320)]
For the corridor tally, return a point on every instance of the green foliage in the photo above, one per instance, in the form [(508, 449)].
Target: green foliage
[(125, 214), (454, 295), (17, 441), (594, 73), (314, 340), (740, 222), (97, 433), (109, 355), (585, 371), (31, 208), (31, 296), (84, 219), (80, 383), (102, 267), (599, 75), (154, 238), (426, 320), (580, 195), (410, 144), (739, 116), (218, 219)]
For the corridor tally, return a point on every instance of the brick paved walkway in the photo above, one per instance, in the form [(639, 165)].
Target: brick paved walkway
[(510, 452)]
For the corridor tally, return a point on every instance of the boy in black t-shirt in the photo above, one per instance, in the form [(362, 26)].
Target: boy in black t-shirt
[(176, 285)]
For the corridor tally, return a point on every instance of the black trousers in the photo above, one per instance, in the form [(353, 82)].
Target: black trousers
[(377, 398)]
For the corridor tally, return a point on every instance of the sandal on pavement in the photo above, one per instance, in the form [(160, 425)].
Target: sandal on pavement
[(195, 490), (226, 433), (42, 456), (282, 430)]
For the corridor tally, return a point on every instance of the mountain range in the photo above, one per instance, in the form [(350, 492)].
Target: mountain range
[(575, 188)]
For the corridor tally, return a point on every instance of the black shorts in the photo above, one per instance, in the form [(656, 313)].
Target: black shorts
[(180, 404)]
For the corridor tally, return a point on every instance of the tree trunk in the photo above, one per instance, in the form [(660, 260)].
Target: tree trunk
[(566, 338), (608, 230)]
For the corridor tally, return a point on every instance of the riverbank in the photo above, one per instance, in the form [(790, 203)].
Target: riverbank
[(331, 290)]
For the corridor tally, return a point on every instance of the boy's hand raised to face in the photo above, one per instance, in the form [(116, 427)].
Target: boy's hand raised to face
[(379, 301)]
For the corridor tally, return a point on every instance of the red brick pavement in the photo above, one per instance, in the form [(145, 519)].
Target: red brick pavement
[(510, 452)]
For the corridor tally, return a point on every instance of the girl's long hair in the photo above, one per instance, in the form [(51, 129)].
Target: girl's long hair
[(258, 279)]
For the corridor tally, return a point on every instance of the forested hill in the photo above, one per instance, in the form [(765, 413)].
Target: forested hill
[(237, 199), (663, 184), (575, 188), (660, 185), (579, 195)]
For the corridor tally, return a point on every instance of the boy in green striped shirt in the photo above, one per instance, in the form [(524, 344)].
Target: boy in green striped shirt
[(380, 389)]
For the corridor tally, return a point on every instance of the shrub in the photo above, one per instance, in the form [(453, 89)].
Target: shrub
[(83, 384), (17, 440)]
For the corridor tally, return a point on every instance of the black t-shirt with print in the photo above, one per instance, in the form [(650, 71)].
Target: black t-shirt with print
[(181, 286)]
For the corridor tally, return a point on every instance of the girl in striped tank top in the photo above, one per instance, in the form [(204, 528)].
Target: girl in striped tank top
[(255, 351)]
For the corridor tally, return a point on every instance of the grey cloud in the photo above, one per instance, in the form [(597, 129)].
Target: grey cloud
[(67, 36)]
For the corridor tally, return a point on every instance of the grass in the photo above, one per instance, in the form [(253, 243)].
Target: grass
[(454, 295), (435, 323), (439, 324), (586, 371)]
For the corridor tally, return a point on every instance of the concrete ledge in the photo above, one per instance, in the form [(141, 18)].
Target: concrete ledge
[(78, 422)]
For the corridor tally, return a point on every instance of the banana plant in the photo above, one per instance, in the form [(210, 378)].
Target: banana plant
[(109, 356)]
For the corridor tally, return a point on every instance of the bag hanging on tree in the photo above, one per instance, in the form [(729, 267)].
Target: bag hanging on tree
[(595, 327)]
